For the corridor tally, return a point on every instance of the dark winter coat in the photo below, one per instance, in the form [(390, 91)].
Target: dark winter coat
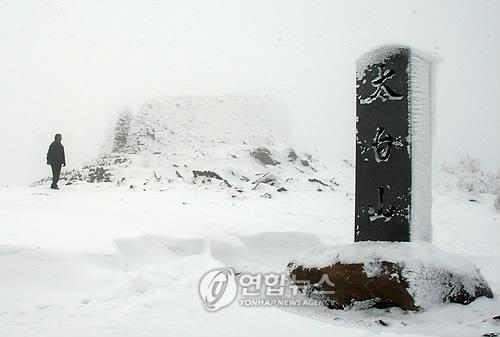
[(55, 155)]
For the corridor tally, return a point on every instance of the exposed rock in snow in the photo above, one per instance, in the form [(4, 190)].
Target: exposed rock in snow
[(209, 175), (266, 179), (121, 130), (314, 180), (292, 155), (264, 156), (304, 162)]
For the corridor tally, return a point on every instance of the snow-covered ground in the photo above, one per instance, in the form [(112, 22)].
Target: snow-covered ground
[(124, 256), (100, 260)]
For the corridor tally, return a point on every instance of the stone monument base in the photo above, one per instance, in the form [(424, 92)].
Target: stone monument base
[(408, 275)]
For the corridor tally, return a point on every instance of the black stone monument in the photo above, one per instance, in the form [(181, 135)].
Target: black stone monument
[(386, 105), (393, 202)]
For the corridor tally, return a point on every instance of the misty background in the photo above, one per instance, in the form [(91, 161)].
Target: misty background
[(68, 66)]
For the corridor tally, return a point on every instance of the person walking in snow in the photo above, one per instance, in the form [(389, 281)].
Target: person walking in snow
[(56, 159)]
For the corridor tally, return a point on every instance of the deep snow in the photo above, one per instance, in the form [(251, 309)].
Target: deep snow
[(124, 258), (98, 260)]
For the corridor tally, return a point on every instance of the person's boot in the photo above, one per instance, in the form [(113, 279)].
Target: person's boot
[(54, 187)]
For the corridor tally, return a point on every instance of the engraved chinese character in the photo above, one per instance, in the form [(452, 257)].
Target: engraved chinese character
[(382, 90), (382, 211), (382, 144)]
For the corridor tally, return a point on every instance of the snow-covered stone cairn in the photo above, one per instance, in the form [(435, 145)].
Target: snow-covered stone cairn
[(233, 144), (392, 262)]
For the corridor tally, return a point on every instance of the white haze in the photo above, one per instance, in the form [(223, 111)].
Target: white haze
[(67, 66)]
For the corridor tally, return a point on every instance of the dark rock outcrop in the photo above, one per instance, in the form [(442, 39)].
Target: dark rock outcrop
[(264, 156), (266, 179), (314, 180), (210, 175), (292, 155), (99, 174)]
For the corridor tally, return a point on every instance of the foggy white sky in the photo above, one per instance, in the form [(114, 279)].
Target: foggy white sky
[(67, 66)]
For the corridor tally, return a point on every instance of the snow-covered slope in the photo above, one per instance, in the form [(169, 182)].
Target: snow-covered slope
[(239, 144), (94, 261)]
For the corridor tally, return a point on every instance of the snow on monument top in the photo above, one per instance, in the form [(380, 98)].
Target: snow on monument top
[(380, 54)]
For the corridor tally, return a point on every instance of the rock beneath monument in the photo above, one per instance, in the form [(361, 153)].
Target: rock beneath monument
[(408, 275), (349, 283)]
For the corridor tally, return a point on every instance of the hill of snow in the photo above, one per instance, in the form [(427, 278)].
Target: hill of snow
[(238, 144)]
